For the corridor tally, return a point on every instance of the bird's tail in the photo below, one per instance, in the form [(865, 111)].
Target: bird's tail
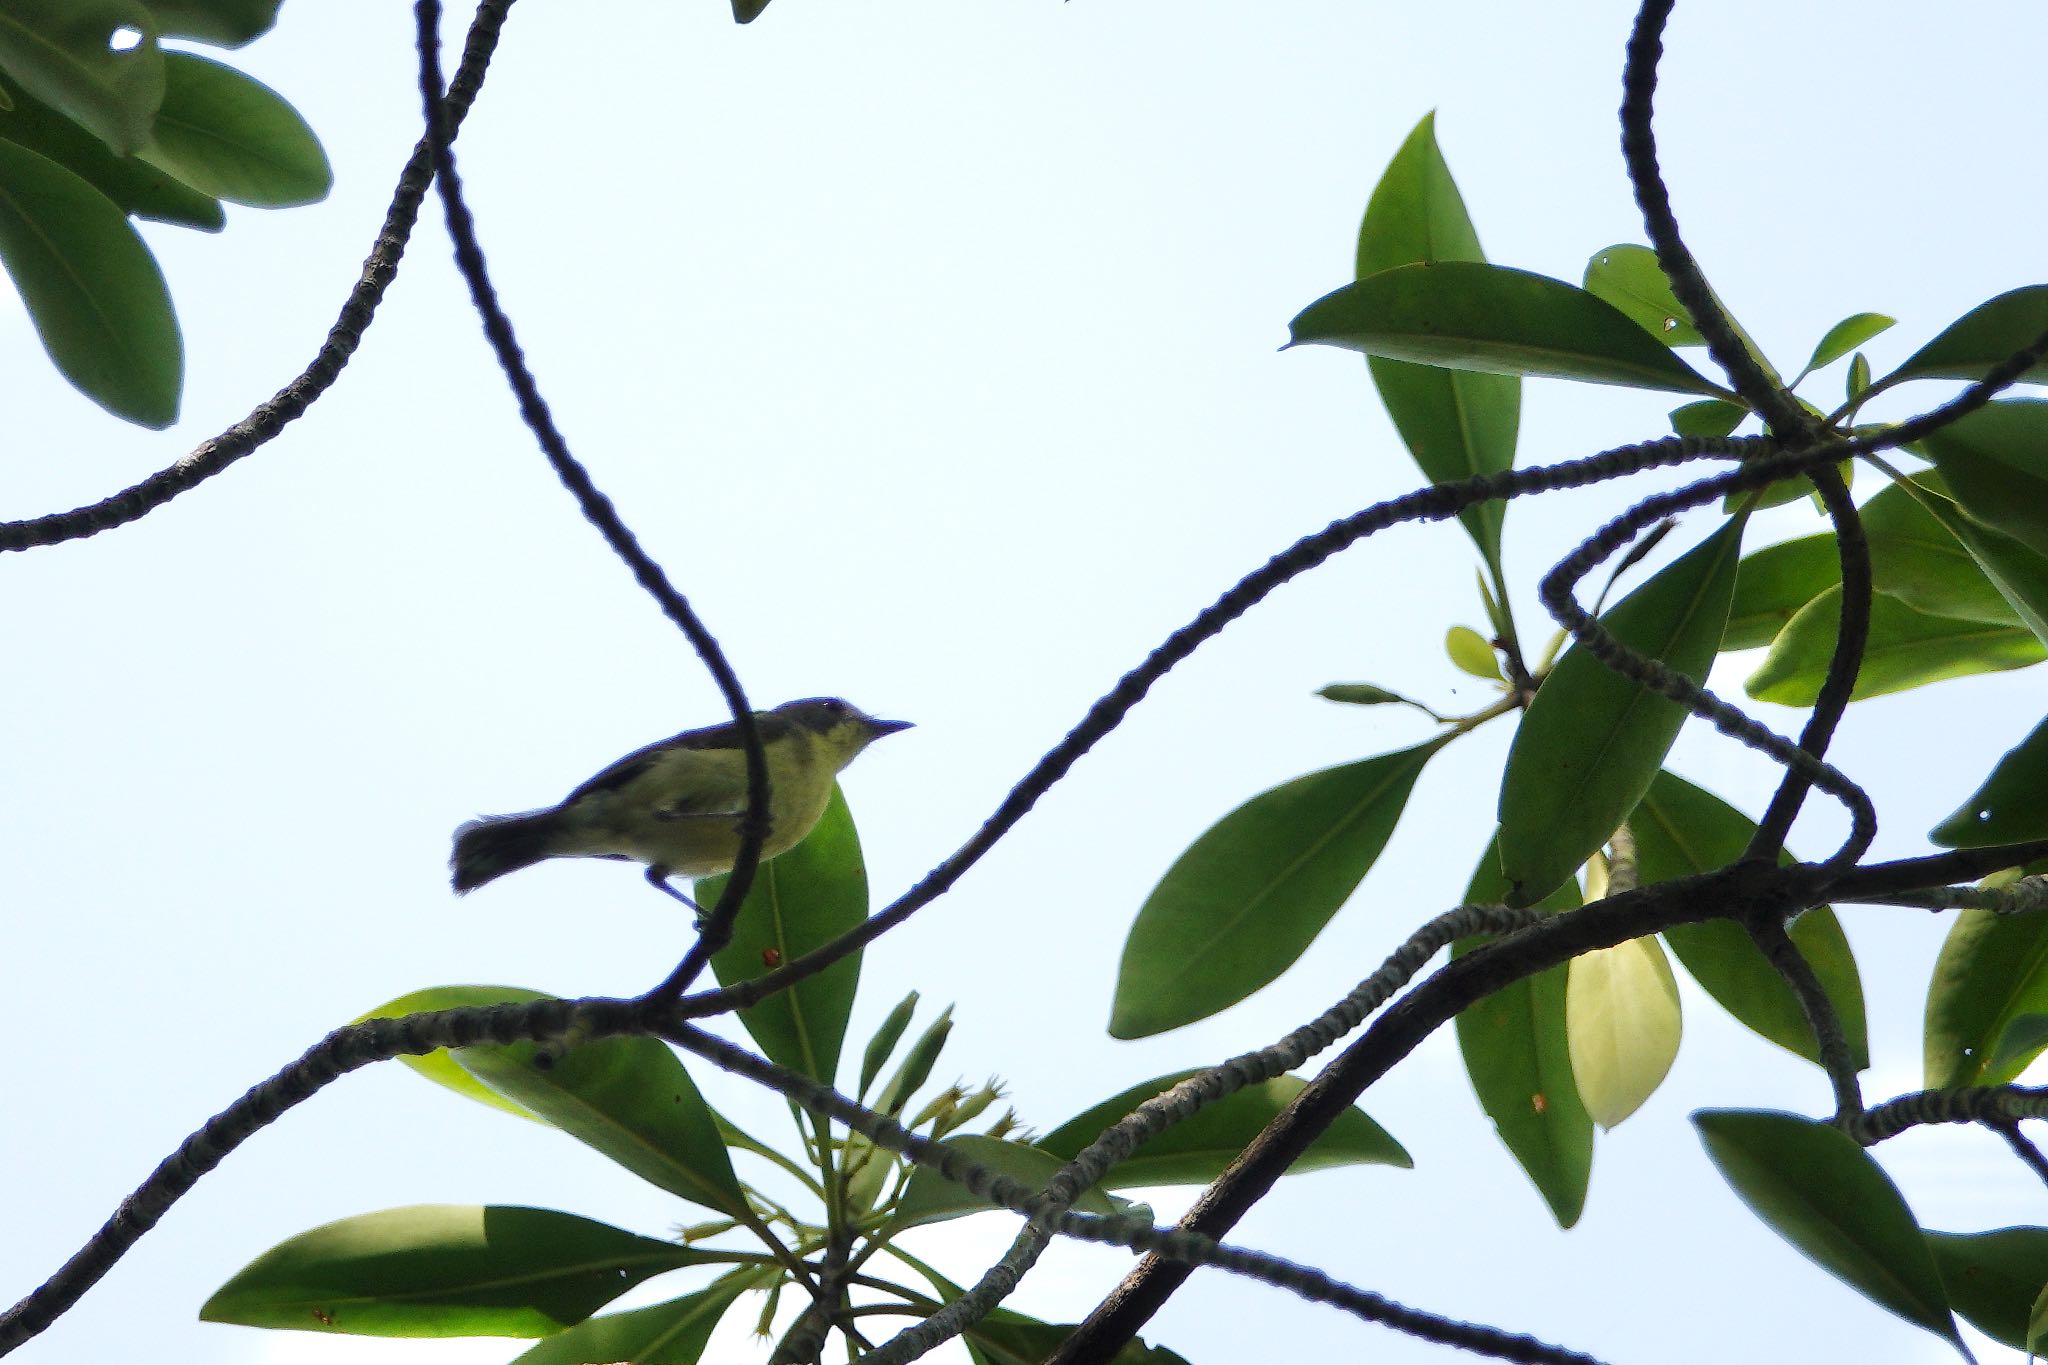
[(488, 848)]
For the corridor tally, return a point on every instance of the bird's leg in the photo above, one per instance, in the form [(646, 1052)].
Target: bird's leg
[(658, 877)]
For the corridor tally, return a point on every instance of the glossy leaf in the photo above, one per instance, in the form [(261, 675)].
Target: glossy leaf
[(1995, 462), (136, 187), (1592, 740), (1469, 650), (628, 1098), (1906, 649), (1916, 558), (1993, 1278), (1622, 1026), (1249, 896), (1844, 337), (1196, 1150), (2010, 805), (444, 1270), (932, 1198), (234, 138), (672, 1333), (1980, 340), (65, 53), (1464, 315), (1772, 584), (800, 901), (1814, 1187), (1455, 423), (1515, 1052), (1629, 277), (1683, 831), (1708, 417), (438, 1066), (92, 289), (1992, 971), (224, 23)]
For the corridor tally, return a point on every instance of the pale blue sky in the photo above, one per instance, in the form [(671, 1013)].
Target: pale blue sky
[(932, 349)]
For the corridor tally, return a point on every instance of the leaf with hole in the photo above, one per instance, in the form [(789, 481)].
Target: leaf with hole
[(94, 61), (444, 1270), (1629, 277), (1465, 315), (224, 23), (1592, 740), (1991, 972), (1248, 897), (2010, 805)]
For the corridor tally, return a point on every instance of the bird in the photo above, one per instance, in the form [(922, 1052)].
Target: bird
[(677, 805)]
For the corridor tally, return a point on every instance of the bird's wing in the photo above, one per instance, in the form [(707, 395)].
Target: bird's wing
[(719, 784)]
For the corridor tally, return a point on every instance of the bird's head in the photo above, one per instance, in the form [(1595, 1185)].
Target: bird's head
[(844, 727)]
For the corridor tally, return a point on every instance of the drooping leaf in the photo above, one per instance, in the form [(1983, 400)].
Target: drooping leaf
[(1622, 1025), (1708, 417), (1592, 740), (136, 187), (932, 1198), (1244, 901), (1519, 1062), (1995, 462), (1196, 1150), (444, 1270), (1993, 1277), (224, 23), (672, 1333), (628, 1098), (799, 901), (1773, 583), (1972, 345), (2010, 805), (1683, 831), (94, 61), (1906, 649), (1813, 1186), (234, 138), (93, 291), (1629, 277), (1992, 970), (1464, 315), (1455, 424), (1844, 337), (439, 1067)]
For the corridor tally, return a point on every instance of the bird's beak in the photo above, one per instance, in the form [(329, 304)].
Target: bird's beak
[(878, 728)]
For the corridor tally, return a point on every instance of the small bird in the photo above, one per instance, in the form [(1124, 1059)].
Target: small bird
[(677, 805)]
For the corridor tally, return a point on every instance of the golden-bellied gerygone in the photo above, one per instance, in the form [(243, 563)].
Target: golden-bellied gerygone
[(677, 805)]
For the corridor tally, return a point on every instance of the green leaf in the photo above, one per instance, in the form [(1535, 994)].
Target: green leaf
[(234, 138), (69, 55), (884, 1042), (1005, 1337), (1592, 740), (1981, 339), (2024, 1039), (672, 1333), (135, 187), (224, 23), (932, 1198), (1629, 277), (1455, 424), (1249, 896), (1915, 557), (2009, 806), (800, 901), (1858, 380), (1469, 650), (438, 1066), (1992, 971), (1465, 315), (1516, 1055), (628, 1098), (1196, 1150), (1844, 337), (444, 1270), (1622, 1025), (747, 11), (1772, 584), (1683, 831), (1993, 1278), (1360, 694), (1907, 649), (1995, 462), (1822, 1193), (917, 1065), (92, 289), (1710, 417)]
